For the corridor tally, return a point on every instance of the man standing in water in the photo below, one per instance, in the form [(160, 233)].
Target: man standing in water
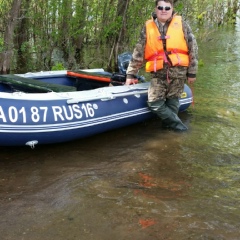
[(170, 50)]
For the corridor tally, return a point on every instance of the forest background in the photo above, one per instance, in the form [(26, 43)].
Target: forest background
[(74, 34)]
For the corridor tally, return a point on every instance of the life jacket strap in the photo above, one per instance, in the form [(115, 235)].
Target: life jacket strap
[(177, 51)]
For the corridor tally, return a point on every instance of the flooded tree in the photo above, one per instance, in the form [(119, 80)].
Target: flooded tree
[(8, 27), (70, 34)]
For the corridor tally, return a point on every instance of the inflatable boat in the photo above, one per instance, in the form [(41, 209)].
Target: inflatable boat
[(59, 106)]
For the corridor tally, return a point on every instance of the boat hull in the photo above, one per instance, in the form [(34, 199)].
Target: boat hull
[(46, 118)]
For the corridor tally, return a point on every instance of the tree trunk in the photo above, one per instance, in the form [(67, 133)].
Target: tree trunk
[(79, 38), (119, 37), (7, 53), (65, 29), (22, 40)]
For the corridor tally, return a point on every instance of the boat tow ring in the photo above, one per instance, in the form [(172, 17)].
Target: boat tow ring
[(32, 143)]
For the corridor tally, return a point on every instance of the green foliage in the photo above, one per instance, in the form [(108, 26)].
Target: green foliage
[(72, 27), (179, 8), (58, 66), (200, 63), (200, 17), (1, 45), (25, 47)]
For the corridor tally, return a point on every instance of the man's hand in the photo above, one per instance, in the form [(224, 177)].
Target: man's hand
[(130, 81), (191, 80)]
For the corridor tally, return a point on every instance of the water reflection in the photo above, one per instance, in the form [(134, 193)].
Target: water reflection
[(138, 182)]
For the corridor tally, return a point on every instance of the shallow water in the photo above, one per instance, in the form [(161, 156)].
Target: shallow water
[(139, 182)]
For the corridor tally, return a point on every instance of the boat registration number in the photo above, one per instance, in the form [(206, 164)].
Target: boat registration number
[(45, 114)]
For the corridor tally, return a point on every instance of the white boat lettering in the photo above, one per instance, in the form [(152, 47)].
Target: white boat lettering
[(35, 114), (22, 111), (73, 111), (2, 115), (44, 110), (57, 112), (68, 114), (88, 109), (41, 114), (13, 114), (77, 111)]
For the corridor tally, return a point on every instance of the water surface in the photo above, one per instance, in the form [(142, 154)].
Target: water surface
[(139, 182)]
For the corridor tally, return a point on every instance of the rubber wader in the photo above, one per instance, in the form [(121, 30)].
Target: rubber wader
[(167, 111), (173, 104)]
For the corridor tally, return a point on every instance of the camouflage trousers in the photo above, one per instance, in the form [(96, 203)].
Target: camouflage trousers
[(167, 84)]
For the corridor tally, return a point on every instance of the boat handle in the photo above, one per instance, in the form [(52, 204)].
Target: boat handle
[(105, 98)]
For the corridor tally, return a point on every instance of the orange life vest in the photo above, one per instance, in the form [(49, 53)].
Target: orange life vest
[(176, 52)]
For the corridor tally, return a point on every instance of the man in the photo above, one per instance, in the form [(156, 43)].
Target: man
[(170, 51)]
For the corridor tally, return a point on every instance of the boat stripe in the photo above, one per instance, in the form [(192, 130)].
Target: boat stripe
[(78, 124), (72, 125)]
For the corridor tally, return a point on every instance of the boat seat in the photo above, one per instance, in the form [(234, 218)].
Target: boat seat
[(31, 85)]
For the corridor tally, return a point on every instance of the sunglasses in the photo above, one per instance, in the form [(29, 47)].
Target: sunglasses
[(163, 7)]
